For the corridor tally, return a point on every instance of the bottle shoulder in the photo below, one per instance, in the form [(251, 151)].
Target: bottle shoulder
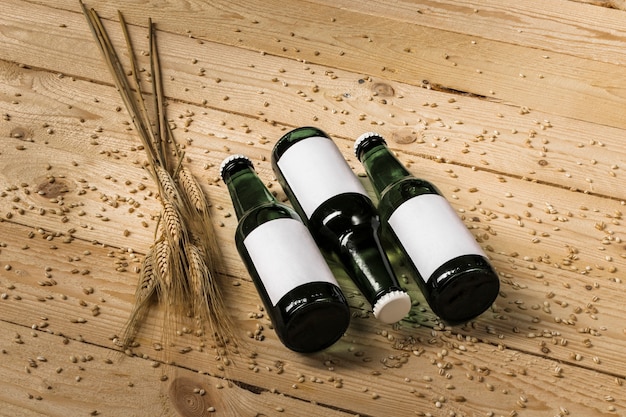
[(400, 191), (262, 214), (347, 208), (349, 202), (341, 216), (295, 136)]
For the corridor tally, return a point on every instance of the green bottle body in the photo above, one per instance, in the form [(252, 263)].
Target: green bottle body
[(308, 309), (450, 267), (340, 215)]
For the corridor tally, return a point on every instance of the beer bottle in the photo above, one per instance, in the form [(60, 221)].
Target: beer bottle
[(308, 309), (451, 269), (340, 215)]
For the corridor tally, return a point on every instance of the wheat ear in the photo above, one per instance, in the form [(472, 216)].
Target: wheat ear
[(172, 222), (208, 303), (192, 190), (162, 255), (167, 185), (145, 293)]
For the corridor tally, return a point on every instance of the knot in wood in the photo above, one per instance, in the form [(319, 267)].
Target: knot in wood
[(406, 136), (383, 90), (189, 398)]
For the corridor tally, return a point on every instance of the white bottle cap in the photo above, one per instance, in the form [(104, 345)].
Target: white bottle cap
[(392, 307)]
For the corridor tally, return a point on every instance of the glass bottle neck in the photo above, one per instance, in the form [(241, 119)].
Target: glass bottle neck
[(382, 167), (247, 191)]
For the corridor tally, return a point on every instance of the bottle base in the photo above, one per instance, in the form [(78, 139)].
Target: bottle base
[(465, 292), (315, 326)]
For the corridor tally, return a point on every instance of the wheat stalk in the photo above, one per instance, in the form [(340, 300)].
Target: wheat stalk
[(183, 265)]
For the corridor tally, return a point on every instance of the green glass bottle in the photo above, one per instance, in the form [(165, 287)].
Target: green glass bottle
[(340, 215), (308, 309), (450, 266)]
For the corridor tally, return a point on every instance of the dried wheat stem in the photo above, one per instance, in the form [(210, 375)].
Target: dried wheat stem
[(157, 89), (119, 76), (141, 108)]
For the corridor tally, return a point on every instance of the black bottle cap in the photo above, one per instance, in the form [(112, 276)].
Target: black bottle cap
[(364, 141), (232, 164)]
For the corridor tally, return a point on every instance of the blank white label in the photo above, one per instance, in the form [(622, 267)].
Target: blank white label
[(316, 170), (285, 257), (432, 233)]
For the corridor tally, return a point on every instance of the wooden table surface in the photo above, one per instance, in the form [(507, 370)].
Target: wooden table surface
[(516, 110)]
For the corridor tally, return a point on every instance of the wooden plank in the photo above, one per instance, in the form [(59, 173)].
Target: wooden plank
[(46, 375), (512, 214), (557, 322), (557, 26), (579, 88), (535, 145), (611, 4), (372, 369)]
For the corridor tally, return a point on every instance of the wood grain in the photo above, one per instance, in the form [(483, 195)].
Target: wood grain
[(532, 24), (345, 39), (534, 169), (50, 376)]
